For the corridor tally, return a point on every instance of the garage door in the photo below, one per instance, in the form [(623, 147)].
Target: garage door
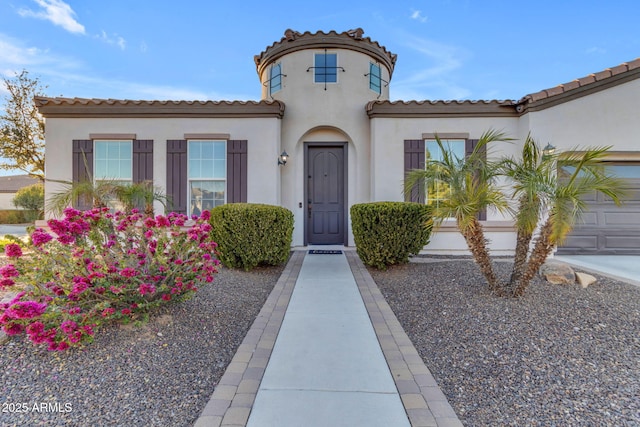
[(605, 228)]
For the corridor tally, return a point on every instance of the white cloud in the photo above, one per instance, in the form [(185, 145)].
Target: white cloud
[(417, 15), (56, 11), (435, 80), (15, 55), (113, 40)]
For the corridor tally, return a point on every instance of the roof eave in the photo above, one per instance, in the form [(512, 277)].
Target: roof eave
[(440, 109), (93, 108)]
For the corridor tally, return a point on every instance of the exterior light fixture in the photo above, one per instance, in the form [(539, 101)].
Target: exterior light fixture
[(548, 150), (282, 158)]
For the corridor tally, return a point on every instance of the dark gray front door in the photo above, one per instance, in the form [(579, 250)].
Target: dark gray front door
[(325, 195)]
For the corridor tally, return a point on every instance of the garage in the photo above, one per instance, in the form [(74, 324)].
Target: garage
[(607, 229)]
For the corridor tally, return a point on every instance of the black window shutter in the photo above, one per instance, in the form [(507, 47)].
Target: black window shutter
[(469, 147), (82, 169), (414, 158), (142, 160), (236, 171), (177, 175)]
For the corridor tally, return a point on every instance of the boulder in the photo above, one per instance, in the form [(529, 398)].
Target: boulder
[(585, 279), (558, 273)]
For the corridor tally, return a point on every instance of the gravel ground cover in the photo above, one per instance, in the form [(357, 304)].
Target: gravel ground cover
[(159, 374), (561, 355)]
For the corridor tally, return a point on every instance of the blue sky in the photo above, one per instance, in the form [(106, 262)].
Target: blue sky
[(447, 49)]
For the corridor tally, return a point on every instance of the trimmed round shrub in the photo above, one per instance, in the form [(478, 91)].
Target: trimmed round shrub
[(386, 233), (250, 234)]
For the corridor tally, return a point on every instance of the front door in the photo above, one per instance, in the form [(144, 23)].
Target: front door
[(325, 222)]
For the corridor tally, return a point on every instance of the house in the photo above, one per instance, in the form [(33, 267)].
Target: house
[(325, 103), (9, 186)]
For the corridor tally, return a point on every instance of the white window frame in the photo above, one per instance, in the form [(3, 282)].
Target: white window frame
[(190, 180)]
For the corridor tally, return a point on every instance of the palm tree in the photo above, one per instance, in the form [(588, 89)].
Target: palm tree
[(139, 195), (533, 178), (552, 200), (472, 188), (97, 193), (102, 193), (549, 190)]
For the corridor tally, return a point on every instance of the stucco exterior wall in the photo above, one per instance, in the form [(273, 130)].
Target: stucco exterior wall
[(262, 134), (6, 201), (389, 134), (608, 117), (387, 165), (336, 114)]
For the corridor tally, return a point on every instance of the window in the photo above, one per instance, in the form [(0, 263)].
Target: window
[(113, 164), (275, 78), (439, 191), (326, 68), (113, 161), (375, 80), (207, 171)]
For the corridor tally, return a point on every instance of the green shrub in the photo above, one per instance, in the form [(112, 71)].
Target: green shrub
[(386, 233), (31, 199), (250, 234)]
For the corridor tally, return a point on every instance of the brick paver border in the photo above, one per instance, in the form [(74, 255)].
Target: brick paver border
[(233, 397), (423, 400)]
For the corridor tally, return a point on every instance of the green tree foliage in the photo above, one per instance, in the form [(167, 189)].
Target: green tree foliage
[(30, 198), (108, 193), (472, 189), (22, 127), (549, 190)]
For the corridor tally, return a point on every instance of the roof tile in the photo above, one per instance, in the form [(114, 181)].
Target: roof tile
[(632, 65), (581, 82), (591, 78), (622, 68), (603, 74)]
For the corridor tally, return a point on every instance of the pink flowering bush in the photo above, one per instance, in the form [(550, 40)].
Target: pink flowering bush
[(97, 267)]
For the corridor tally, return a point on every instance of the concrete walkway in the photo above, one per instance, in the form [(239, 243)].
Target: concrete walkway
[(326, 350)]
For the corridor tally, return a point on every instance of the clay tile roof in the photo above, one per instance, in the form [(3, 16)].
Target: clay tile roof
[(65, 107), (581, 82), (352, 39), (494, 108)]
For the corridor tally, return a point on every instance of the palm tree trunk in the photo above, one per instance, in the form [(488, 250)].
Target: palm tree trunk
[(523, 241), (477, 244), (539, 255)]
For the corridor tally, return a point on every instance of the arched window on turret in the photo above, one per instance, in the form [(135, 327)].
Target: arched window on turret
[(375, 79), (275, 78)]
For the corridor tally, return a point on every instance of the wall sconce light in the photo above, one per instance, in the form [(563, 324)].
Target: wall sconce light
[(282, 158), (548, 150)]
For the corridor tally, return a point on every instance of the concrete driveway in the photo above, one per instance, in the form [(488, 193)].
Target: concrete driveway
[(624, 267)]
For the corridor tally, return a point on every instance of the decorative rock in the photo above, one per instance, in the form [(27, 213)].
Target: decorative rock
[(585, 279), (557, 273)]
